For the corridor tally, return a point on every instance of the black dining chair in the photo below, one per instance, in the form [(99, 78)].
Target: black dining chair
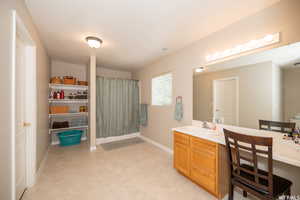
[(283, 127), (243, 151)]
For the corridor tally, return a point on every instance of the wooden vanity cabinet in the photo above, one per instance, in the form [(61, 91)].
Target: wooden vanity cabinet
[(202, 161), (182, 155)]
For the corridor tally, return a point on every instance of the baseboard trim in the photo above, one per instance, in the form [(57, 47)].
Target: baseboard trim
[(93, 148), (42, 165), (162, 147), (116, 138)]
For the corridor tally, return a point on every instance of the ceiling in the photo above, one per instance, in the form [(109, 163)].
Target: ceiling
[(134, 31)]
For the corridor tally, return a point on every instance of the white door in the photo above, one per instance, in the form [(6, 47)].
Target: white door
[(20, 134), (226, 101)]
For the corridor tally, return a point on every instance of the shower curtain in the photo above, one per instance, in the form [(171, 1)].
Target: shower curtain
[(117, 107)]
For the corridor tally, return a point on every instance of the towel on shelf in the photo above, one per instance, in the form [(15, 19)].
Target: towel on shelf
[(144, 115), (178, 114)]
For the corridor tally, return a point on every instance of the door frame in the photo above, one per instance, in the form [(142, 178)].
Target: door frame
[(236, 78), (19, 28)]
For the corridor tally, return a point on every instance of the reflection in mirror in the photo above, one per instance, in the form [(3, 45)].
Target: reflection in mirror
[(242, 91)]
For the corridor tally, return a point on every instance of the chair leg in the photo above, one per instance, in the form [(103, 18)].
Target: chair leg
[(288, 194), (245, 194), (231, 189)]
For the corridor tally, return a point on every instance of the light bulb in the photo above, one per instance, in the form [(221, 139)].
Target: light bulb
[(199, 69), (94, 42), (268, 38), (251, 45)]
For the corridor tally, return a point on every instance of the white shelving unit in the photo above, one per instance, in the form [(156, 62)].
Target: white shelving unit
[(68, 101), (69, 128), (68, 114), (72, 103), (68, 87)]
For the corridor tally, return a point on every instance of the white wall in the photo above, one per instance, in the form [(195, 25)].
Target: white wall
[(6, 99), (278, 18), (43, 72), (277, 106), (80, 71), (111, 73), (61, 68)]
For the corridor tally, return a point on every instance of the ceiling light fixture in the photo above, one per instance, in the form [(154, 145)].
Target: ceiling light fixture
[(251, 45), (199, 69), (93, 42)]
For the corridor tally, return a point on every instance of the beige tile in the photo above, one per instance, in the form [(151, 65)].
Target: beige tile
[(137, 172)]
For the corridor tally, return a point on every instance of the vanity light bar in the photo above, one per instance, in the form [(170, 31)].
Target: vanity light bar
[(199, 69), (251, 45)]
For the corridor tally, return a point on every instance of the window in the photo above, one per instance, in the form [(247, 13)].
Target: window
[(162, 90)]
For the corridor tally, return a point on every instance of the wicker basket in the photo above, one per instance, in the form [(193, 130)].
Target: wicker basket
[(56, 80), (83, 109), (82, 82), (59, 109), (69, 80)]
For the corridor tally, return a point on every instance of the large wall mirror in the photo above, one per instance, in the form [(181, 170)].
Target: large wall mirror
[(242, 91)]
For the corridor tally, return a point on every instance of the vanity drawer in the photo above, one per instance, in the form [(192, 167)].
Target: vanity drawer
[(204, 146), (181, 138)]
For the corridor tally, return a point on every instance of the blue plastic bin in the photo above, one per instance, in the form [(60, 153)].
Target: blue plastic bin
[(68, 138)]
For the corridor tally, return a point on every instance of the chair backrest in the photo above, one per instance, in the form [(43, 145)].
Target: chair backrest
[(245, 149), (283, 127)]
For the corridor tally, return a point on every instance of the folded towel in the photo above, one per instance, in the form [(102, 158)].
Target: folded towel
[(144, 115), (178, 115)]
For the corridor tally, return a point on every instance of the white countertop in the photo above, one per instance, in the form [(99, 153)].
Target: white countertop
[(283, 150)]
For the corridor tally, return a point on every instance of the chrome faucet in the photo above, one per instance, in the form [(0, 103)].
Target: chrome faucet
[(205, 124)]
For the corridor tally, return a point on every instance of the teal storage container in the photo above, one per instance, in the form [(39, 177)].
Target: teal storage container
[(68, 138)]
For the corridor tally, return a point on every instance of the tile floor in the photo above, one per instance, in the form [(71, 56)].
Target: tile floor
[(139, 171)]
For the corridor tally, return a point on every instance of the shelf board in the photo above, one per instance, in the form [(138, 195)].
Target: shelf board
[(68, 87), (70, 128), (68, 114), (68, 101)]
